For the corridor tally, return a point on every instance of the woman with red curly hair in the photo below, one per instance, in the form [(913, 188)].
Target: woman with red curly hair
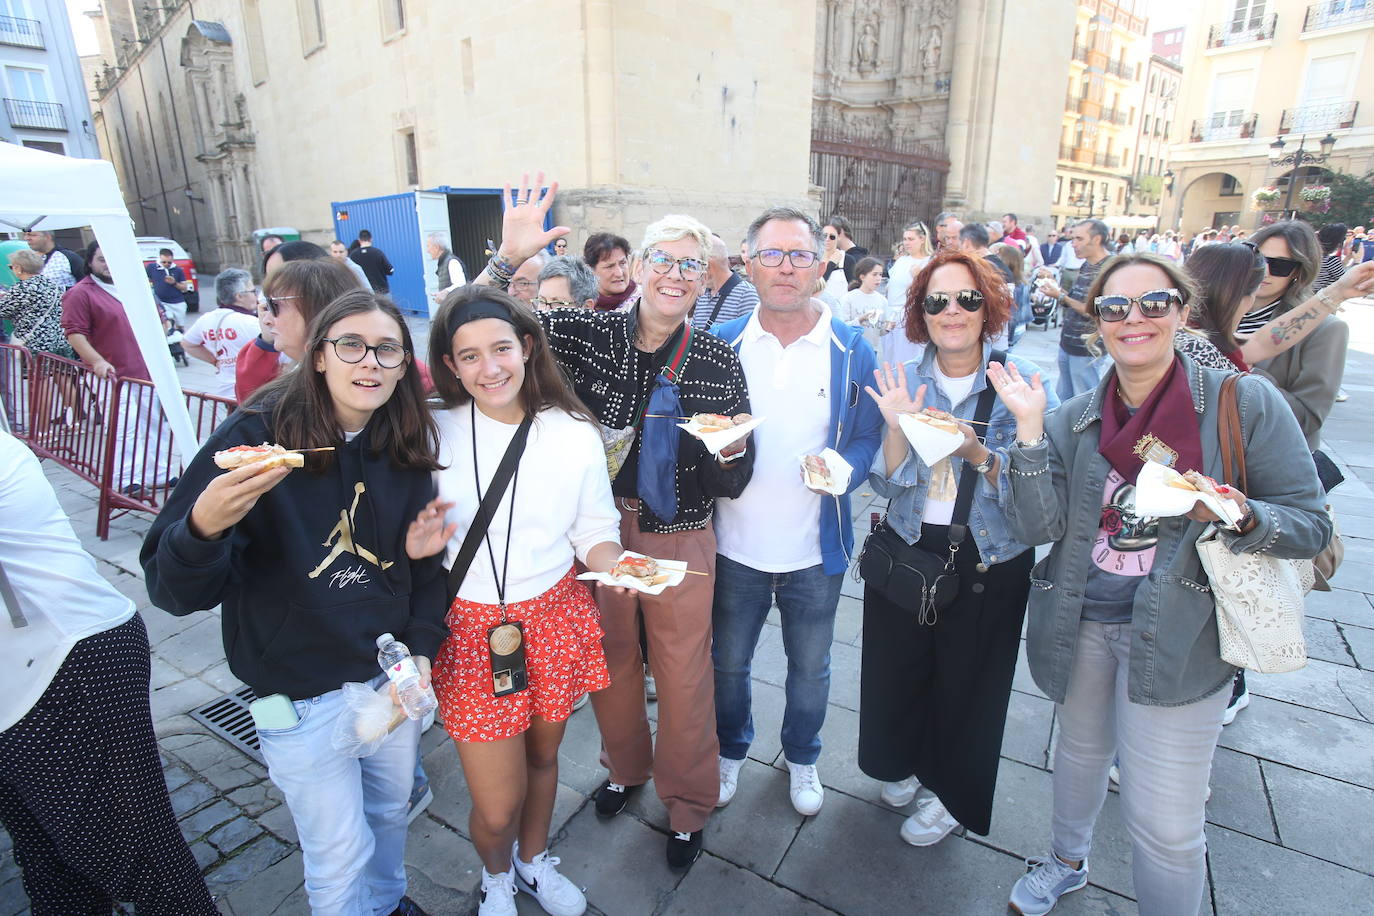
[(936, 679)]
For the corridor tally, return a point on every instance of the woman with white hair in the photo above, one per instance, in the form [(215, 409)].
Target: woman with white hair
[(220, 335), (625, 366)]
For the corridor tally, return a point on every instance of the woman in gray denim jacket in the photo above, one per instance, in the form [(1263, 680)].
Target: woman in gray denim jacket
[(934, 692), (1122, 631)]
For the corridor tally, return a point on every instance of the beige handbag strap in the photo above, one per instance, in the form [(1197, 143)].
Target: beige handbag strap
[(1229, 433)]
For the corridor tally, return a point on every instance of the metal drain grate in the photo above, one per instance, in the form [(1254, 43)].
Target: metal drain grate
[(228, 718)]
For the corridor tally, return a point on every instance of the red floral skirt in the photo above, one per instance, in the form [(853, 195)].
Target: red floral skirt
[(563, 658)]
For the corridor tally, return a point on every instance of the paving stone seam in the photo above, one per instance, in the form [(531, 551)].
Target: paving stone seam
[(1340, 631)]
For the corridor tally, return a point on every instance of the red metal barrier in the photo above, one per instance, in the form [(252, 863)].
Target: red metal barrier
[(113, 434)]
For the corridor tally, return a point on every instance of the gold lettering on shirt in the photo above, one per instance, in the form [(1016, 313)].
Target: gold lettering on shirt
[(340, 538)]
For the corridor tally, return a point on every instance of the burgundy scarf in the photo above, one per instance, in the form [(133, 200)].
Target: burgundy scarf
[(1165, 428), (609, 303)]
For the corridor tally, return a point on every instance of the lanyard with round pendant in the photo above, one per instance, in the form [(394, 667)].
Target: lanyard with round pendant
[(505, 640)]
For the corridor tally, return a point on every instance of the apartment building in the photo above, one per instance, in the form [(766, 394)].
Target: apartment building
[(45, 100)]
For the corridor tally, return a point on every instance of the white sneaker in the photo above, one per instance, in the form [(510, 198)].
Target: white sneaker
[(498, 894), (807, 794), (540, 879), (929, 825), (729, 780), (899, 794)]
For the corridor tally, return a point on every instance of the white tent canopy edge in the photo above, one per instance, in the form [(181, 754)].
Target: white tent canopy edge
[(41, 190)]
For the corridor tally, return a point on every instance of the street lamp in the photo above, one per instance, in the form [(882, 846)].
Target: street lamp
[(1169, 180), (1298, 159)]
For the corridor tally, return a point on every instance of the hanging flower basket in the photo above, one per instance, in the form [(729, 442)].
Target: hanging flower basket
[(1264, 198), (1315, 193)]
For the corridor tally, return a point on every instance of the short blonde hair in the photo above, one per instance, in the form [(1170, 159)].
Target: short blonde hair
[(676, 226), (27, 260)]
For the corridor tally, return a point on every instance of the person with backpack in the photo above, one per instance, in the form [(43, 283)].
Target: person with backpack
[(61, 265)]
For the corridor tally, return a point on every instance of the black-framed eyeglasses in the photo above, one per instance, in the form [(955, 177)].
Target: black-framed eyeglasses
[(543, 302), (661, 262), (1281, 267), (970, 300), (801, 258), (352, 349), (272, 306), (1153, 304)]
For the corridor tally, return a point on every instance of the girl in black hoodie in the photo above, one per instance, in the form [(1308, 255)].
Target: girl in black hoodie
[(311, 567)]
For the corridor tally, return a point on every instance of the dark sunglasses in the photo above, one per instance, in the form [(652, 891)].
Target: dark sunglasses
[(970, 300), (1155, 304), (272, 303), (1281, 267)]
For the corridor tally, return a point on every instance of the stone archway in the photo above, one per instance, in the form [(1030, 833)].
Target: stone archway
[(1213, 199)]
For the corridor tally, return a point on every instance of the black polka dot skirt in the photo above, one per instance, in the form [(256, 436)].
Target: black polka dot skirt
[(82, 793)]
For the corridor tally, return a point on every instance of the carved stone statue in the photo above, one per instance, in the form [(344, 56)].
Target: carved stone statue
[(868, 47), (930, 57)]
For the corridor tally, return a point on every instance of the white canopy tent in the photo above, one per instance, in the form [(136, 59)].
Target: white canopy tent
[(41, 190)]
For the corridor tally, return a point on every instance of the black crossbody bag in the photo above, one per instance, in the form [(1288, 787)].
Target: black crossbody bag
[(910, 577)]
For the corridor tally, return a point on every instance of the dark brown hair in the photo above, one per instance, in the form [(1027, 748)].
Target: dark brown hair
[(317, 282), (986, 279), (1303, 248), (544, 384), (1224, 274), (601, 244), (861, 270), (303, 411)]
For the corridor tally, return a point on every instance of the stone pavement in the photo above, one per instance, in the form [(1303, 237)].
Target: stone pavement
[(1290, 822)]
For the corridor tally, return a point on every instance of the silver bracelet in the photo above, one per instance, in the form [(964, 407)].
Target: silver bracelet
[(1038, 440)]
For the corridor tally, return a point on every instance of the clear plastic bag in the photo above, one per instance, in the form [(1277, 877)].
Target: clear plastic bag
[(617, 443), (368, 718)]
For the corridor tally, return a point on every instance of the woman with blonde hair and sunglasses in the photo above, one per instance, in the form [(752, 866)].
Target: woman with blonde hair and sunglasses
[(1121, 632)]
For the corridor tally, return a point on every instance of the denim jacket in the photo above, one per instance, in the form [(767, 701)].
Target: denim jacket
[(907, 486), (1056, 498)]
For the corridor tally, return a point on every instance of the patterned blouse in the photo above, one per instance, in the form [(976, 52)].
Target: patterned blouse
[(34, 306), (612, 377), (1202, 351)]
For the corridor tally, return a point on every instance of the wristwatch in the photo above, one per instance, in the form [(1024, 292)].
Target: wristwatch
[(1032, 443), (985, 465)]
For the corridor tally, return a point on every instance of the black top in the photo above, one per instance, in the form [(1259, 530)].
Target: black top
[(612, 377), (311, 576), (375, 265)]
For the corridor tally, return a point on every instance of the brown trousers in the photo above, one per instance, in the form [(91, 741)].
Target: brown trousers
[(678, 625)]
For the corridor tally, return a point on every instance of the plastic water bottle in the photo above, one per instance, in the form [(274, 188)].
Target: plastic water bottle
[(394, 657)]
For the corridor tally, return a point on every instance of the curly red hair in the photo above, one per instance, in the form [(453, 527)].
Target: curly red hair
[(986, 279)]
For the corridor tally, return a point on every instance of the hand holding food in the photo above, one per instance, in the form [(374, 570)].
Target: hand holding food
[(817, 473), (270, 456), (230, 496), (643, 569)]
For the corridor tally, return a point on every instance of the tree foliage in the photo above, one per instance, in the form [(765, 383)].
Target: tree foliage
[(1352, 201)]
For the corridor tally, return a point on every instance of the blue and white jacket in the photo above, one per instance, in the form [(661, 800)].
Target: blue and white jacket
[(856, 428)]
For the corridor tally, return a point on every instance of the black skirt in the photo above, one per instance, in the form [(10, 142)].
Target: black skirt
[(933, 699)]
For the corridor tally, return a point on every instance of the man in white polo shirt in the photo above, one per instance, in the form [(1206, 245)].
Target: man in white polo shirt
[(782, 540)]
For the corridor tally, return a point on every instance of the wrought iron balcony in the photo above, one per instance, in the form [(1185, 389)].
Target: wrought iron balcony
[(1328, 15), (35, 115), (1116, 116), (1080, 53), (22, 33), (1241, 32), (1332, 116), (1121, 69), (1222, 127), (1107, 160)]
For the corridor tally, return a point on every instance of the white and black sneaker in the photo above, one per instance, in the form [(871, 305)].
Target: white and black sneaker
[(1240, 698), (498, 894), (540, 879)]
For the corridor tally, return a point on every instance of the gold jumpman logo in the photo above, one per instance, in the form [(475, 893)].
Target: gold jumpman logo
[(341, 537)]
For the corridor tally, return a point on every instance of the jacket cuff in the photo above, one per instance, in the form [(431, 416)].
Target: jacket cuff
[(1258, 539), (1029, 462), (189, 550)]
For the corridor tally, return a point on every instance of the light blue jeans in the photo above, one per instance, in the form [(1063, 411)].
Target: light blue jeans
[(1166, 763), (350, 813), (806, 599), (1078, 374)]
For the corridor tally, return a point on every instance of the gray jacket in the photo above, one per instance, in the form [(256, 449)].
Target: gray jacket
[(1056, 490), (1308, 375)]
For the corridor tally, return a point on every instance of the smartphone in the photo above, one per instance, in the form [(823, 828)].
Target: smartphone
[(273, 713)]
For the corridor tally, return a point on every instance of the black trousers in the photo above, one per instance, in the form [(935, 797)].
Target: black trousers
[(82, 793), (933, 699)]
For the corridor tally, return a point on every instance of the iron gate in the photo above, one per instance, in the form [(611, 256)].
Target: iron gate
[(879, 186)]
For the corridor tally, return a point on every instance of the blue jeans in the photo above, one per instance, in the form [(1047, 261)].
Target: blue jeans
[(807, 599), (350, 813), (1078, 374)]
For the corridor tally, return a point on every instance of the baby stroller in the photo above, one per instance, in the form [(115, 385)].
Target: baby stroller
[(1044, 310)]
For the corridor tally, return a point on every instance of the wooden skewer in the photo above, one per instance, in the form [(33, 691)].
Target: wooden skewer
[(327, 448), (664, 416)]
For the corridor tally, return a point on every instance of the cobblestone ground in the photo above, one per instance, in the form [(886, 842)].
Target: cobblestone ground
[(1290, 821)]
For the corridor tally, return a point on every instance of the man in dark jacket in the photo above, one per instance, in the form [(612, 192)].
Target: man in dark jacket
[(373, 262)]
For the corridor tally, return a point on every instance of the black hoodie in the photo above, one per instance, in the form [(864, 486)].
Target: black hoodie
[(311, 576)]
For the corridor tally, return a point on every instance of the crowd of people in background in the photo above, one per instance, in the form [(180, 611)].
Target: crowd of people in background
[(414, 516)]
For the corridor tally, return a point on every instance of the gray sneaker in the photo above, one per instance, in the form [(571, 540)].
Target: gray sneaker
[(1039, 889)]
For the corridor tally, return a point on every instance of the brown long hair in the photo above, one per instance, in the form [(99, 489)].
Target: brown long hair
[(544, 384), (1224, 275), (316, 282), (986, 279), (303, 411)]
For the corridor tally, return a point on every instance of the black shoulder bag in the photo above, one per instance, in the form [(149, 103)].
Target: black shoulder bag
[(487, 508), (915, 579)]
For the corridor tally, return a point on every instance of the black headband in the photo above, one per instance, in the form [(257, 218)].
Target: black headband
[(475, 309)]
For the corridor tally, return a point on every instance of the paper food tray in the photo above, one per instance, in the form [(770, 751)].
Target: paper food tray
[(676, 569), (716, 441), (931, 444), (840, 471), (1154, 497)]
